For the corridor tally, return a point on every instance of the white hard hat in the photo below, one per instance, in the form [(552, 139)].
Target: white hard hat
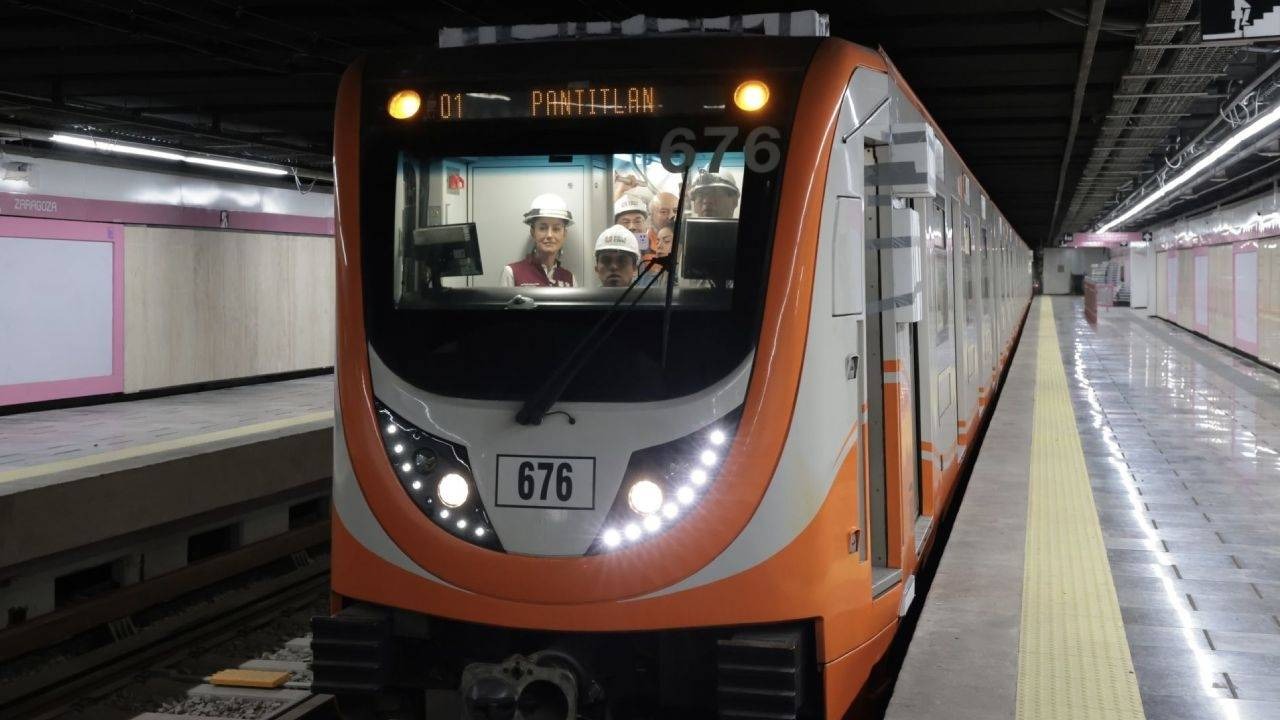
[(618, 238), (707, 180), (548, 205), (627, 203)]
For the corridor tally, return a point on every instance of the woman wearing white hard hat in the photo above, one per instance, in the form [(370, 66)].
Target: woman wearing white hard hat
[(617, 257), (548, 219)]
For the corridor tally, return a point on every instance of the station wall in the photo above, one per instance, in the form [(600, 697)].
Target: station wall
[(1219, 276), (207, 305), (121, 280), (1060, 264)]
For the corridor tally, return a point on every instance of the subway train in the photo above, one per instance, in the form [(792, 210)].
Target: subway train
[(659, 351)]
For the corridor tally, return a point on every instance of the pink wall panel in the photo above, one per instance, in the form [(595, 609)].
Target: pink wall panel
[(18, 227)]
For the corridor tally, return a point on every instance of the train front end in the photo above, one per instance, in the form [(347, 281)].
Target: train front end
[(569, 345)]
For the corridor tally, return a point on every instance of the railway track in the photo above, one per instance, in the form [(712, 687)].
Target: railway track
[(161, 671)]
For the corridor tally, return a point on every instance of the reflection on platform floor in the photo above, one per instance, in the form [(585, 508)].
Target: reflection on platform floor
[(1182, 442)]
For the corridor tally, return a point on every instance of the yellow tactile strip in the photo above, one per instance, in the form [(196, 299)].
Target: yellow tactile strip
[(1073, 660), (163, 446)]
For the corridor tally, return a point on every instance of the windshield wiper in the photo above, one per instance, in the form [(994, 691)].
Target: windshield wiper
[(547, 394), (670, 264)]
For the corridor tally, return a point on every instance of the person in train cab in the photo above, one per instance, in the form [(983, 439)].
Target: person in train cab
[(714, 195), (659, 247), (632, 214), (548, 219), (662, 214), (617, 257)]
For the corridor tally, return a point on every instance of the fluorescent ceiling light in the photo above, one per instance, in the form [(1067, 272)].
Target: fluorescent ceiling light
[(141, 151), (73, 140), (1251, 130), (228, 165), (104, 146)]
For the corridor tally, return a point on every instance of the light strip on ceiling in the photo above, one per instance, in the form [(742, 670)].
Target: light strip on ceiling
[(242, 167), (1253, 129), (104, 146)]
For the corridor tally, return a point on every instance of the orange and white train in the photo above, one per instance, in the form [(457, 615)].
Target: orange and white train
[(707, 493)]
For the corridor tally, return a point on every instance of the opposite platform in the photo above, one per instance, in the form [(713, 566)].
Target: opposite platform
[(78, 476), (1177, 440)]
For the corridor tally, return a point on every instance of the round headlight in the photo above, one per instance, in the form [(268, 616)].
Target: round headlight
[(453, 490), (404, 104), (645, 497), (751, 95)]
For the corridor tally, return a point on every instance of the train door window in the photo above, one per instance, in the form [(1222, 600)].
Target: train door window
[(940, 309), (970, 300), (988, 309), (942, 355)]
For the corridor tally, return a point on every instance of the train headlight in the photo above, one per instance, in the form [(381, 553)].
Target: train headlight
[(645, 497), (404, 104), (664, 482), (751, 95), (453, 490), (436, 474)]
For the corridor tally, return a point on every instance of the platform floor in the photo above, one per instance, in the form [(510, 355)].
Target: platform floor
[(62, 443), (1154, 590)]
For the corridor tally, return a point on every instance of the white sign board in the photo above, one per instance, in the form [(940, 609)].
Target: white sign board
[(1238, 19)]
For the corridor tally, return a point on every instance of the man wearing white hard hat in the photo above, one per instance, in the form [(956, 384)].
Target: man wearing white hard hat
[(714, 195), (617, 257), (548, 219), (631, 213)]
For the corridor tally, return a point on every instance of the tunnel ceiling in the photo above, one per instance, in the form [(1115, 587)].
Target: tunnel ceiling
[(257, 78)]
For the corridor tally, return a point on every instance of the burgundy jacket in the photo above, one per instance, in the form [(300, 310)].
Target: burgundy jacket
[(530, 273)]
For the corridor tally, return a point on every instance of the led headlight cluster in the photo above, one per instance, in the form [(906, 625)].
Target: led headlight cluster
[(437, 475), (664, 482)]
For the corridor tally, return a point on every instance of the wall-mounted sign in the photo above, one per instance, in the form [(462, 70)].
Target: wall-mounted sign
[(1107, 239), (1238, 19)]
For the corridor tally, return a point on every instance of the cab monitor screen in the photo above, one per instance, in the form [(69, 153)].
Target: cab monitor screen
[(448, 250)]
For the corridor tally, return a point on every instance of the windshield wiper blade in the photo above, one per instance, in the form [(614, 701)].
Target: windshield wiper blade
[(547, 394), (669, 264)]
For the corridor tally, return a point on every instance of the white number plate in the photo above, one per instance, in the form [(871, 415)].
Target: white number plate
[(546, 482)]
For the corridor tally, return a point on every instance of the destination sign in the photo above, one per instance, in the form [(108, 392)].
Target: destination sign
[(578, 100)]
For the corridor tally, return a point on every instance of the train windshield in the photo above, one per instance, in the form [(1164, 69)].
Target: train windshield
[(534, 233), (493, 245)]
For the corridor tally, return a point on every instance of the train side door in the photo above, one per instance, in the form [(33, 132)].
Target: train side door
[(894, 306)]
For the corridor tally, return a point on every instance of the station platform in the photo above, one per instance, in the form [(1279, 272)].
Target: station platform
[(136, 479), (1117, 551)]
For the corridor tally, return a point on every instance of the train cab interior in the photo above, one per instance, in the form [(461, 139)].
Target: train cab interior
[(463, 222)]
